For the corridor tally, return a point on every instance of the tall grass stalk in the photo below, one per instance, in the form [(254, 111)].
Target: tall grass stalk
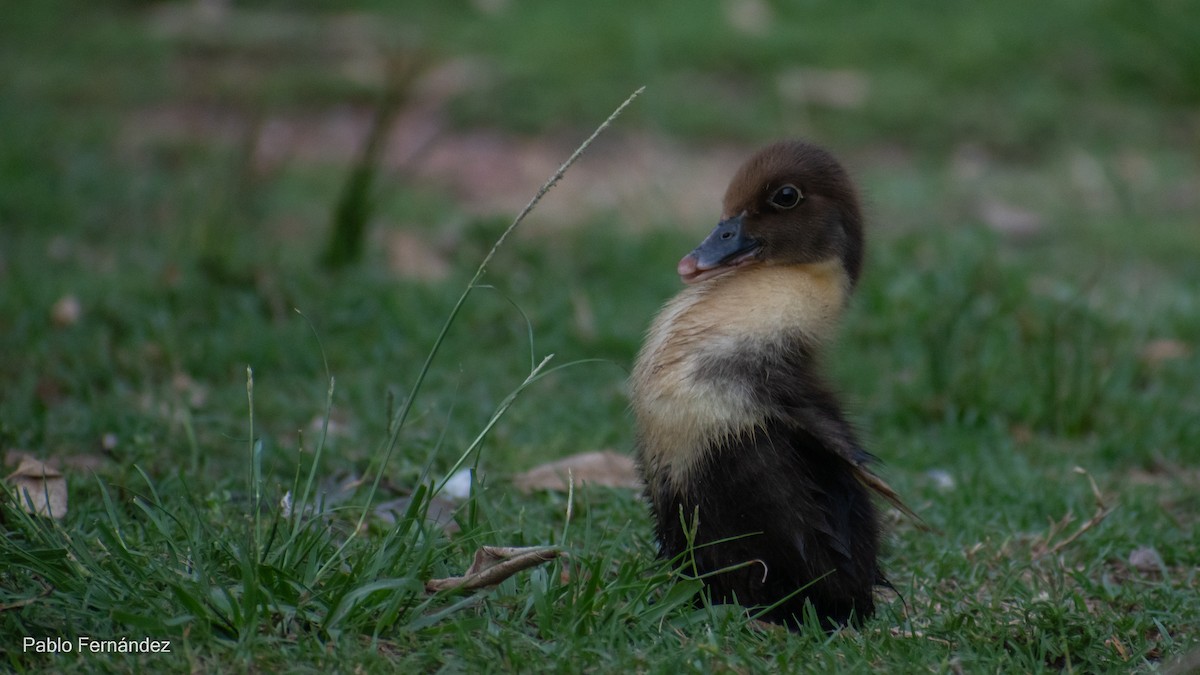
[(406, 407)]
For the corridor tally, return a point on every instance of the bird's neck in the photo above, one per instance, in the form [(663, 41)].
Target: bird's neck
[(741, 316), (764, 302)]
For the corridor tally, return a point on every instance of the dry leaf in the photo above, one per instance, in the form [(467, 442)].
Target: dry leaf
[(584, 317), (1146, 560), (970, 162), (1021, 433), (491, 7), (338, 424), (66, 311), (838, 88), (606, 468), (494, 564), (1118, 647), (39, 489), (411, 256), (1010, 219), (749, 17), (1156, 351), (193, 392), (50, 391)]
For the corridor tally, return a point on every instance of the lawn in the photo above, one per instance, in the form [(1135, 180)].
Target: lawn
[(180, 341)]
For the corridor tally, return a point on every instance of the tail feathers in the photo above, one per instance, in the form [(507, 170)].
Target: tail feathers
[(880, 487)]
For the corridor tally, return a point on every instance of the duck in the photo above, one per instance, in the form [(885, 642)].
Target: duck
[(756, 479)]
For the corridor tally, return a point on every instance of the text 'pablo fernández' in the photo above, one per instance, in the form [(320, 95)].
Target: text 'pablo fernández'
[(88, 645)]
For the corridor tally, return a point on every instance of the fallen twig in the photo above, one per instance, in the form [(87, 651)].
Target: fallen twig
[(494, 564), (1102, 511)]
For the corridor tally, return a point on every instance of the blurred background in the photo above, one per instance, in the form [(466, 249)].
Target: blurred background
[(177, 177), (304, 188)]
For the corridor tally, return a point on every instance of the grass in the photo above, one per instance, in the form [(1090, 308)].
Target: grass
[(983, 366)]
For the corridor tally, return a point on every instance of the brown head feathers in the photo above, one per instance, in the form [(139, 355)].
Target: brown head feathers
[(790, 203)]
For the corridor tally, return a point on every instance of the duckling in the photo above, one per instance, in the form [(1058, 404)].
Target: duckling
[(756, 479)]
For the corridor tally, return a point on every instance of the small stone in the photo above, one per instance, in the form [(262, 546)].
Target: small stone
[(459, 485), (1146, 560), (941, 479)]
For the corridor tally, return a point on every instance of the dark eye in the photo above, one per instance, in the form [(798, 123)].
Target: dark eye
[(786, 197)]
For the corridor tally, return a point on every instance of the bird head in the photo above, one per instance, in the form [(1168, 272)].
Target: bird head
[(791, 203)]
